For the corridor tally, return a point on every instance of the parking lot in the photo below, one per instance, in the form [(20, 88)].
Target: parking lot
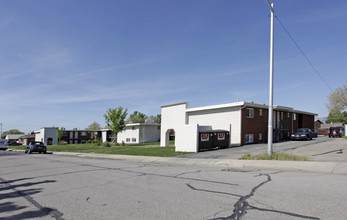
[(318, 149)]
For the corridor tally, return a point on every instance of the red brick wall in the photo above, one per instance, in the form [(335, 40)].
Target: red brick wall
[(255, 126), (308, 121), (259, 124)]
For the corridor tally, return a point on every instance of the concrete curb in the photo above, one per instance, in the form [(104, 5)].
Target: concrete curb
[(306, 166)]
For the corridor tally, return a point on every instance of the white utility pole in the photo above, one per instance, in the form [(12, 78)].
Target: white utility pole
[(1, 130), (270, 123)]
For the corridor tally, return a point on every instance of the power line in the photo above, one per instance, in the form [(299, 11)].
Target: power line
[(302, 52)]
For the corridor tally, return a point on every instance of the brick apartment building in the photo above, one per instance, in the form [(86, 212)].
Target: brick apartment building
[(247, 123)]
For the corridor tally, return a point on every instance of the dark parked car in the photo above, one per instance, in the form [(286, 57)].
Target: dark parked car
[(335, 131), (303, 134), (36, 146)]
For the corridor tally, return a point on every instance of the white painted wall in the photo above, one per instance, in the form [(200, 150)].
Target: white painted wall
[(172, 117), (149, 133), (104, 135), (128, 132), (223, 119), (46, 133), (142, 132), (186, 139)]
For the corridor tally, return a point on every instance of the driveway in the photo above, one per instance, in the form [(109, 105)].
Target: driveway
[(319, 149)]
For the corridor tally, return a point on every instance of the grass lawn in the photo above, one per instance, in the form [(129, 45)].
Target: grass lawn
[(145, 149), (274, 156)]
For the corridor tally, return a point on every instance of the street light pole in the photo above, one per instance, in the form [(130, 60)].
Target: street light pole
[(1, 130), (270, 122)]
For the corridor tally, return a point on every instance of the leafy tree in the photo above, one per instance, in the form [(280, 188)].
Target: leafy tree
[(60, 133), (137, 117), (12, 131), (115, 119), (154, 119), (338, 100), (94, 126), (335, 116)]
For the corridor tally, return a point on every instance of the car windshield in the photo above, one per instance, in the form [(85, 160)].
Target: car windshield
[(302, 130), (334, 128), (38, 143)]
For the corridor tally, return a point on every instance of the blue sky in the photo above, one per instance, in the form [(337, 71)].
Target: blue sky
[(64, 63)]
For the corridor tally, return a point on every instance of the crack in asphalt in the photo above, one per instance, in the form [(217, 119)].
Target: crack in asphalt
[(282, 212), (340, 151), (125, 169), (211, 191), (241, 206), (196, 171), (43, 210)]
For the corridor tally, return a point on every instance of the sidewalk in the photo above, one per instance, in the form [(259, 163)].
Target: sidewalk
[(307, 166)]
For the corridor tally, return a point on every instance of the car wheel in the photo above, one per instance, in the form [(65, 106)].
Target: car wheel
[(45, 152), (29, 152), (40, 152)]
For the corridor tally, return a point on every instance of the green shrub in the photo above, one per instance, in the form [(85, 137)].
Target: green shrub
[(62, 143), (106, 144), (89, 142), (122, 144), (98, 142)]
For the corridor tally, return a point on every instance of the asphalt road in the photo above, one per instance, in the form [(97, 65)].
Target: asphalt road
[(40, 186), (319, 149)]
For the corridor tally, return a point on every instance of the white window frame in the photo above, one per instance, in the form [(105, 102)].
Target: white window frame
[(294, 116), (249, 112), (260, 112), (260, 136)]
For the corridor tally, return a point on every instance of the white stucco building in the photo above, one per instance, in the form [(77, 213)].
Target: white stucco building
[(139, 133), (47, 135), (246, 123)]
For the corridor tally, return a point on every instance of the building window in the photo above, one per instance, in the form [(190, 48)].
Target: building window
[(249, 138), (288, 114), (65, 134), (260, 137), (158, 127), (127, 140), (260, 112), (294, 116), (84, 133), (133, 128), (133, 139), (281, 115), (249, 113)]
